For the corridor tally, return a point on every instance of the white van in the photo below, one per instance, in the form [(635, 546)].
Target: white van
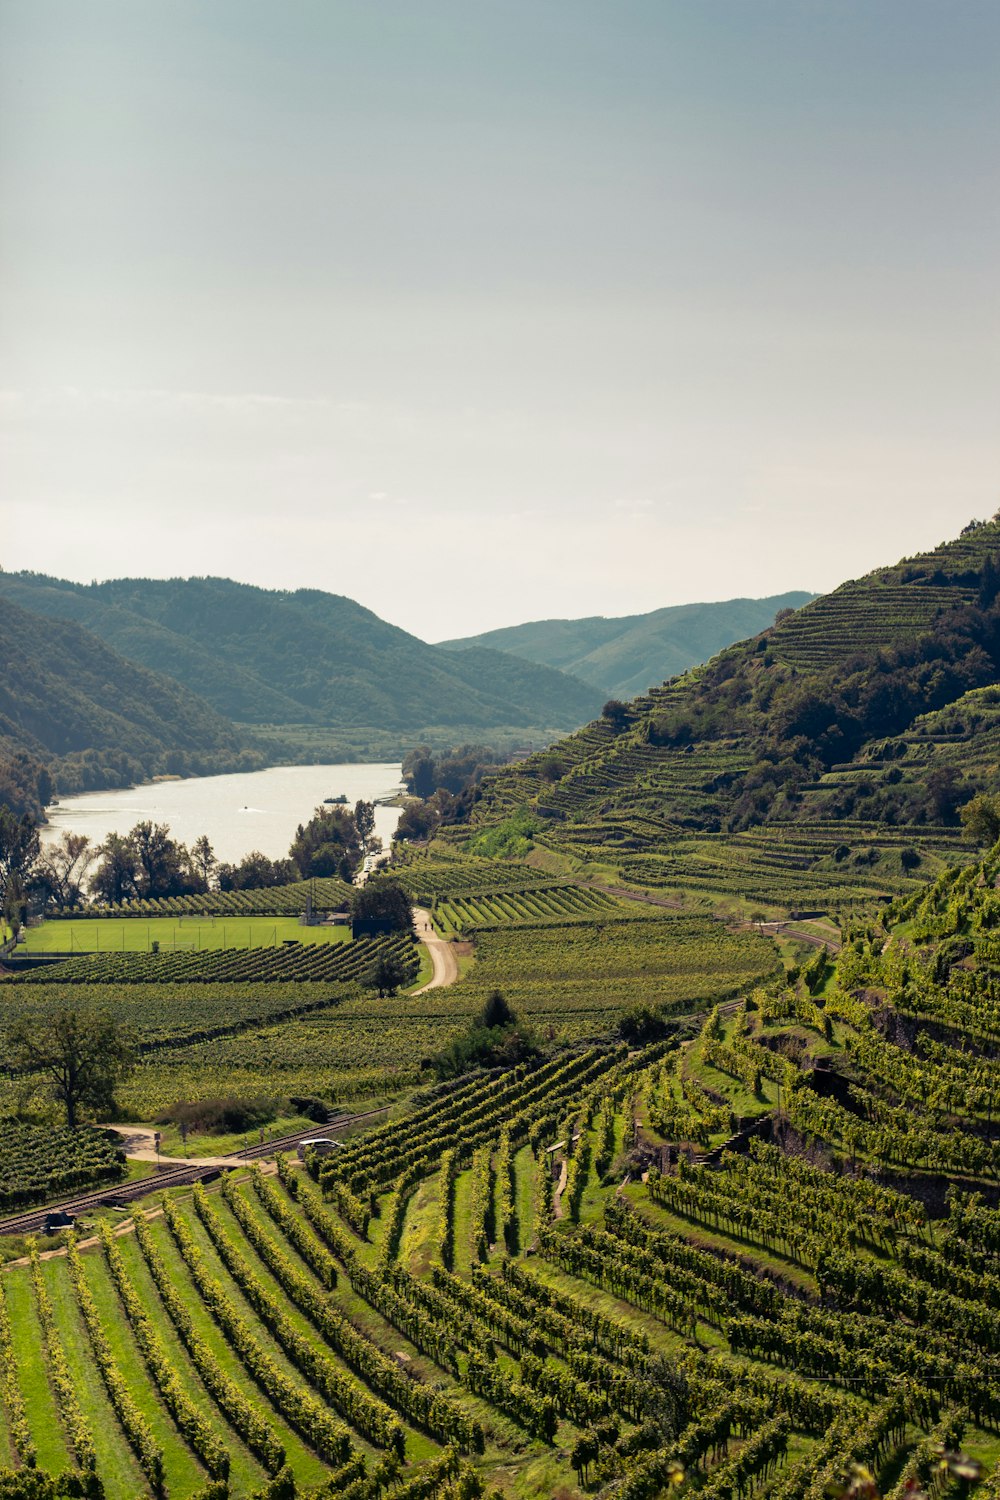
[(321, 1144)]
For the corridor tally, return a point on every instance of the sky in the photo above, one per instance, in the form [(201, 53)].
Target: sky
[(481, 311)]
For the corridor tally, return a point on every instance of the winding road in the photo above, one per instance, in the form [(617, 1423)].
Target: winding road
[(442, 953)]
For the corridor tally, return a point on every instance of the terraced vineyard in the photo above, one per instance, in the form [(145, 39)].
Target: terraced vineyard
[(535, 907), (871, 707), (554, 1279), (428, 880), (725, 1230)]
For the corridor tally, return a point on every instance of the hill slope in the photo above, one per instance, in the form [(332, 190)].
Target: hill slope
[(308, 657), (823, 759), (71, 705), (623, 656)]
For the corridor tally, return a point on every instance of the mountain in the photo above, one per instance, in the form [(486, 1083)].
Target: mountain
[(818, 763), (623, 656), (265, 657), (73, 709)]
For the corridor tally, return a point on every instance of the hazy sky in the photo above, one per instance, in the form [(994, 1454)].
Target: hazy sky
[(481, 312)]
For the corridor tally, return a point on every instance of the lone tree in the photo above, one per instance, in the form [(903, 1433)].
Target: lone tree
[(387, 975), (496, 1011), (61, 870), (617, 714), (981, 819), (82, 1056)]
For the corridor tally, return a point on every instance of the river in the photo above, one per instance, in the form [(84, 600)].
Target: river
[(255, 810)]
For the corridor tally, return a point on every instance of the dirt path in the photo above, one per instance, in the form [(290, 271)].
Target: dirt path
[(788, 929), (139, 1145), (442, 954), (672, 903), (785, 927), (560, 1188)]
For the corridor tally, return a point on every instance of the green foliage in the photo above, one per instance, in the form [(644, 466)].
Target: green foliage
[(39, 1162), (831, 723), (280, 658), (623, 656), (512, 838), (78, 1057), (981, 819), (328, 845), (73, 710), (383, 899)]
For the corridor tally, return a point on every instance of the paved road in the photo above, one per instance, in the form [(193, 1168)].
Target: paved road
[(442, 954)]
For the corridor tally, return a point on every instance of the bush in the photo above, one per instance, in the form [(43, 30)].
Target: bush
[(223, 1116)]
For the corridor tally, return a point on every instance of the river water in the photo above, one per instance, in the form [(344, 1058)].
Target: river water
[(256, 810)]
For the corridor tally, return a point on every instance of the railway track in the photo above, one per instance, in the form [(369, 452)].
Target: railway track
[(34, 1219)]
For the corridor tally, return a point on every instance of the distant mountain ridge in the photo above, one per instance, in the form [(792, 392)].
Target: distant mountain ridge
[(261, 656), (72, 708), (622, 657)]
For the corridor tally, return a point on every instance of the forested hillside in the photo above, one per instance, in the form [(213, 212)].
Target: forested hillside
[(625, 656), (824, 758), (74, 711), (308, 657)]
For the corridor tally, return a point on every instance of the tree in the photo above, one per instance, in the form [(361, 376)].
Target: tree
[(616, 713), (203, 860), (61, 870), (981, 819), (327, 845), (418, 771), (383, 899), (550, 767), (418, 820), (364, 822), (255, 872), (496, 1011), (943, 792), (159, 860), (82, 1056), (18, 849), (115, 879), (641, 1025), (387, 975)]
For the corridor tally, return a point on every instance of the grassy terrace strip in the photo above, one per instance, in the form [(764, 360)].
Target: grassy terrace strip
[(300, 1408), (73, 1419), (147, 1450), (10, 1390), (240, 1413), (189, 1420), (368, 1416)]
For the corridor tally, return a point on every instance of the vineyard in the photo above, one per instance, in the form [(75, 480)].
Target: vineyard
[(37, 1162), (733, 1260), (325, 893), (292, 963), (794, 770)]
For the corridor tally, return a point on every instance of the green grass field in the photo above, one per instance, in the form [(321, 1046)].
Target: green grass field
[(185, 934)]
